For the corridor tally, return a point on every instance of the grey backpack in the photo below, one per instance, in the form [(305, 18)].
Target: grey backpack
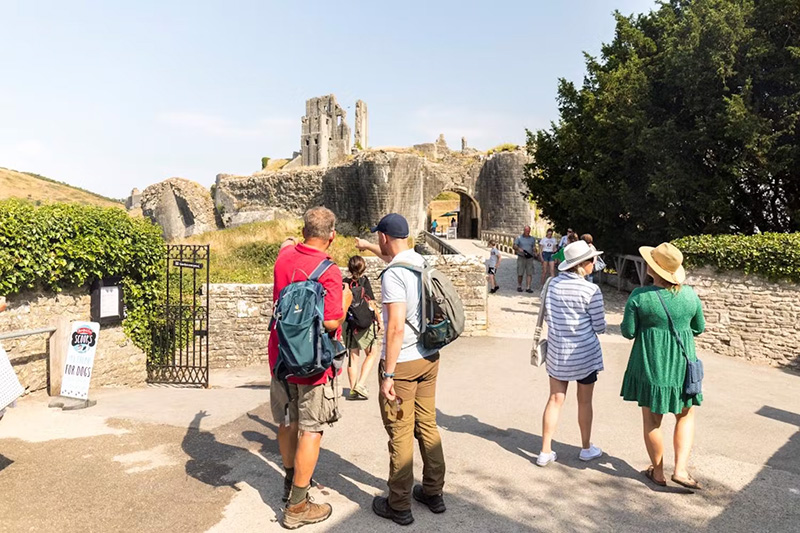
[(442, 310)]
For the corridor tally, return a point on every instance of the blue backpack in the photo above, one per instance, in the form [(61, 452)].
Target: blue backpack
[(304, 347)]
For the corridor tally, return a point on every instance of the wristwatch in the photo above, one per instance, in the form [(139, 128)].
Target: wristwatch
[(385, 375)]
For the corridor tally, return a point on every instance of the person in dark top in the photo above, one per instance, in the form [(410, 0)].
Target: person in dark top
[(360, 338)]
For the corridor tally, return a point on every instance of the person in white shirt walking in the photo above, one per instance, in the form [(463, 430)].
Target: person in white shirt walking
[(549, 246), (492, 266)]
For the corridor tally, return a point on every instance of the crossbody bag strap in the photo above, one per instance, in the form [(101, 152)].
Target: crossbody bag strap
[(672, 326), (416, 270), (540, 320)]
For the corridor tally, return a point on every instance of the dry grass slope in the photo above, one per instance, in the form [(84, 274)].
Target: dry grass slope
[(246, 254), (15, 184)]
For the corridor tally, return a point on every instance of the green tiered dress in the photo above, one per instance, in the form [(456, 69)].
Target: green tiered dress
[(657, 368)]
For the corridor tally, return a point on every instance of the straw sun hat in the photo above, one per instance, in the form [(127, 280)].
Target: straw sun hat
[(666, 261)]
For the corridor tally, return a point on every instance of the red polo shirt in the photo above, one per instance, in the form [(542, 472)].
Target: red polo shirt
[(296, 263)]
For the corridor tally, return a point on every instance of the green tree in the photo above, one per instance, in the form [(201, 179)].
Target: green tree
[(687, 123)]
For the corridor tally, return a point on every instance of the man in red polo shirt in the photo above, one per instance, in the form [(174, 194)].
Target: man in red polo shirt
[(310, 403)]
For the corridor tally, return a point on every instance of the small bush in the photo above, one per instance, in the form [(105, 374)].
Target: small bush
[(775, 256), (505, 147), (264, 162)]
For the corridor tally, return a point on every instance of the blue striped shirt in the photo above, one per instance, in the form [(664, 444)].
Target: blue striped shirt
[(575, 315)]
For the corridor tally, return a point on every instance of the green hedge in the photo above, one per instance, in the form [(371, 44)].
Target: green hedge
[(63, 246), (775, 256)]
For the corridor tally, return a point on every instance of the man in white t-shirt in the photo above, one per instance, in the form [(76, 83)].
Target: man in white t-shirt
[(408, 379)]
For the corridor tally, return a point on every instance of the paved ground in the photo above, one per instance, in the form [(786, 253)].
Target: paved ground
[(511, 313), (182, 460)]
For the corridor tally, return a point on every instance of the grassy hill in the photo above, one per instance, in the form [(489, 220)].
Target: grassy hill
[(36, 188)]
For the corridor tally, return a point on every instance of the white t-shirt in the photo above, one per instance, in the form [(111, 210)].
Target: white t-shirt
[(549, 244), (402, 285), (494, 257)]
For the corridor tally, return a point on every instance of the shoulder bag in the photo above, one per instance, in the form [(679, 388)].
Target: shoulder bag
[(539, 348), (693, 381)]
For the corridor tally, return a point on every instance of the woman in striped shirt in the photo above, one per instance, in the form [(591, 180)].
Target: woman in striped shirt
[(575, 316)]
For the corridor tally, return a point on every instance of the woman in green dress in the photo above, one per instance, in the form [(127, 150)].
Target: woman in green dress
[(657, 367)]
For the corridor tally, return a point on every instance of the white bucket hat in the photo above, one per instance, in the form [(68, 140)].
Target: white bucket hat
[(576, 253)]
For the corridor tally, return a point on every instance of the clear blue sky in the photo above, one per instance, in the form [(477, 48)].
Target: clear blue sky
[(111, 95)]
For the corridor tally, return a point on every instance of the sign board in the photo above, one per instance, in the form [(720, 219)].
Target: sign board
[(10, 389), (107, 306), (80, 359), (187, 264)]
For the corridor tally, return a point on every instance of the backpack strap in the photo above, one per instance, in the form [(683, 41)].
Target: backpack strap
[(320, 270), (416, 270)]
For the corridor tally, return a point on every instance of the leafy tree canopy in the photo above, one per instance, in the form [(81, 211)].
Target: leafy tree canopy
[(688, 123)]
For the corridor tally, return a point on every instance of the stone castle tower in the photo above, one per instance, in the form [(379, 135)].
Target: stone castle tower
[(325, 139)]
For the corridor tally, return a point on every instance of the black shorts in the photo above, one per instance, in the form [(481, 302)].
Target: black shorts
[(491, 271), (588, 380)]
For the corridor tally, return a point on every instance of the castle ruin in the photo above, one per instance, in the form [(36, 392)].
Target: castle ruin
[(325, 138)]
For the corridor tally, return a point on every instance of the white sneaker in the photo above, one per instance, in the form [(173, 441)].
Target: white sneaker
[(592, 452), (545, 459)]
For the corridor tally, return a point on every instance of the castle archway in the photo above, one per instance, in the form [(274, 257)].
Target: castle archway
[(455, 207)]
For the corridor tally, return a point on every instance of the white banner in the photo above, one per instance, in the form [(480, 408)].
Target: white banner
[(80, 360), (10, 389)]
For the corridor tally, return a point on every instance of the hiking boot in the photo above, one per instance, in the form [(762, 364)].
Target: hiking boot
[(380, 506), (304, 513), (434, 503)]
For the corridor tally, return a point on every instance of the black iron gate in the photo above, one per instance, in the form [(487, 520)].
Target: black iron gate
[(179, 352)]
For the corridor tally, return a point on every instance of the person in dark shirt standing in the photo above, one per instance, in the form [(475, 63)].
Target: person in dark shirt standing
[(357, 339)]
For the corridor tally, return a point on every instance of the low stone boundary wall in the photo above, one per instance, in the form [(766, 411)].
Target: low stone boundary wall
[(749, 317), (117, 361), (239, 315)]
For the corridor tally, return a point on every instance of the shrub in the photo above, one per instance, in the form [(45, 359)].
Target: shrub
[(775, 256), (62, 246), (505, 147), (264, 162)]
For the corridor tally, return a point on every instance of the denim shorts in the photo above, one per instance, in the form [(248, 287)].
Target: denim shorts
[(547, 257)]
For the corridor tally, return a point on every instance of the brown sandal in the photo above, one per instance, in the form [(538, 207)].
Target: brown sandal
[(689, 483), (649, 475)]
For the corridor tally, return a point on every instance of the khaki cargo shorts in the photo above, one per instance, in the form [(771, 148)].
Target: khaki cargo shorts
[(525, 265), (312, 406)]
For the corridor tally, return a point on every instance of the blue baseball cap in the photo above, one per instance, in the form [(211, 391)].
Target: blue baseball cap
[(393, 225)]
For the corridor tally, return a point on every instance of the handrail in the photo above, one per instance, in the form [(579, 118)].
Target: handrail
[(25, 333), (440, 246), (505, 241)]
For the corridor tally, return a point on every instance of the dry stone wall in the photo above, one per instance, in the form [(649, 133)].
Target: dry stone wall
[(749, 317), (239, 315), (117, 361)]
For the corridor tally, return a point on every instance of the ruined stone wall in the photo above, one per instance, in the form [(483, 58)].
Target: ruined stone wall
[(502, 194), (239, 315), (749, 317), (117, 361), (181, 207), (325, 138), (267, 195), (377, 182), (362, 125)]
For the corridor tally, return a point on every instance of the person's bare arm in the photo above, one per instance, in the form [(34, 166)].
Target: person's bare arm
[(362, 244), (395, 330), (289, 241), (347, 299)]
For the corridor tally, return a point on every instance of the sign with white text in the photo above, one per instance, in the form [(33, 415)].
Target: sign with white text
[(80, 360)]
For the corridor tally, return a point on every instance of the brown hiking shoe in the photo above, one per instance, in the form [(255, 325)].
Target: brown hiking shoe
[(304, 513)]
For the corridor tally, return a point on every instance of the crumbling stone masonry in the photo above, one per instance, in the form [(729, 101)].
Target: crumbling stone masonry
[(362, 125), (181, 207), (325, 138)]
